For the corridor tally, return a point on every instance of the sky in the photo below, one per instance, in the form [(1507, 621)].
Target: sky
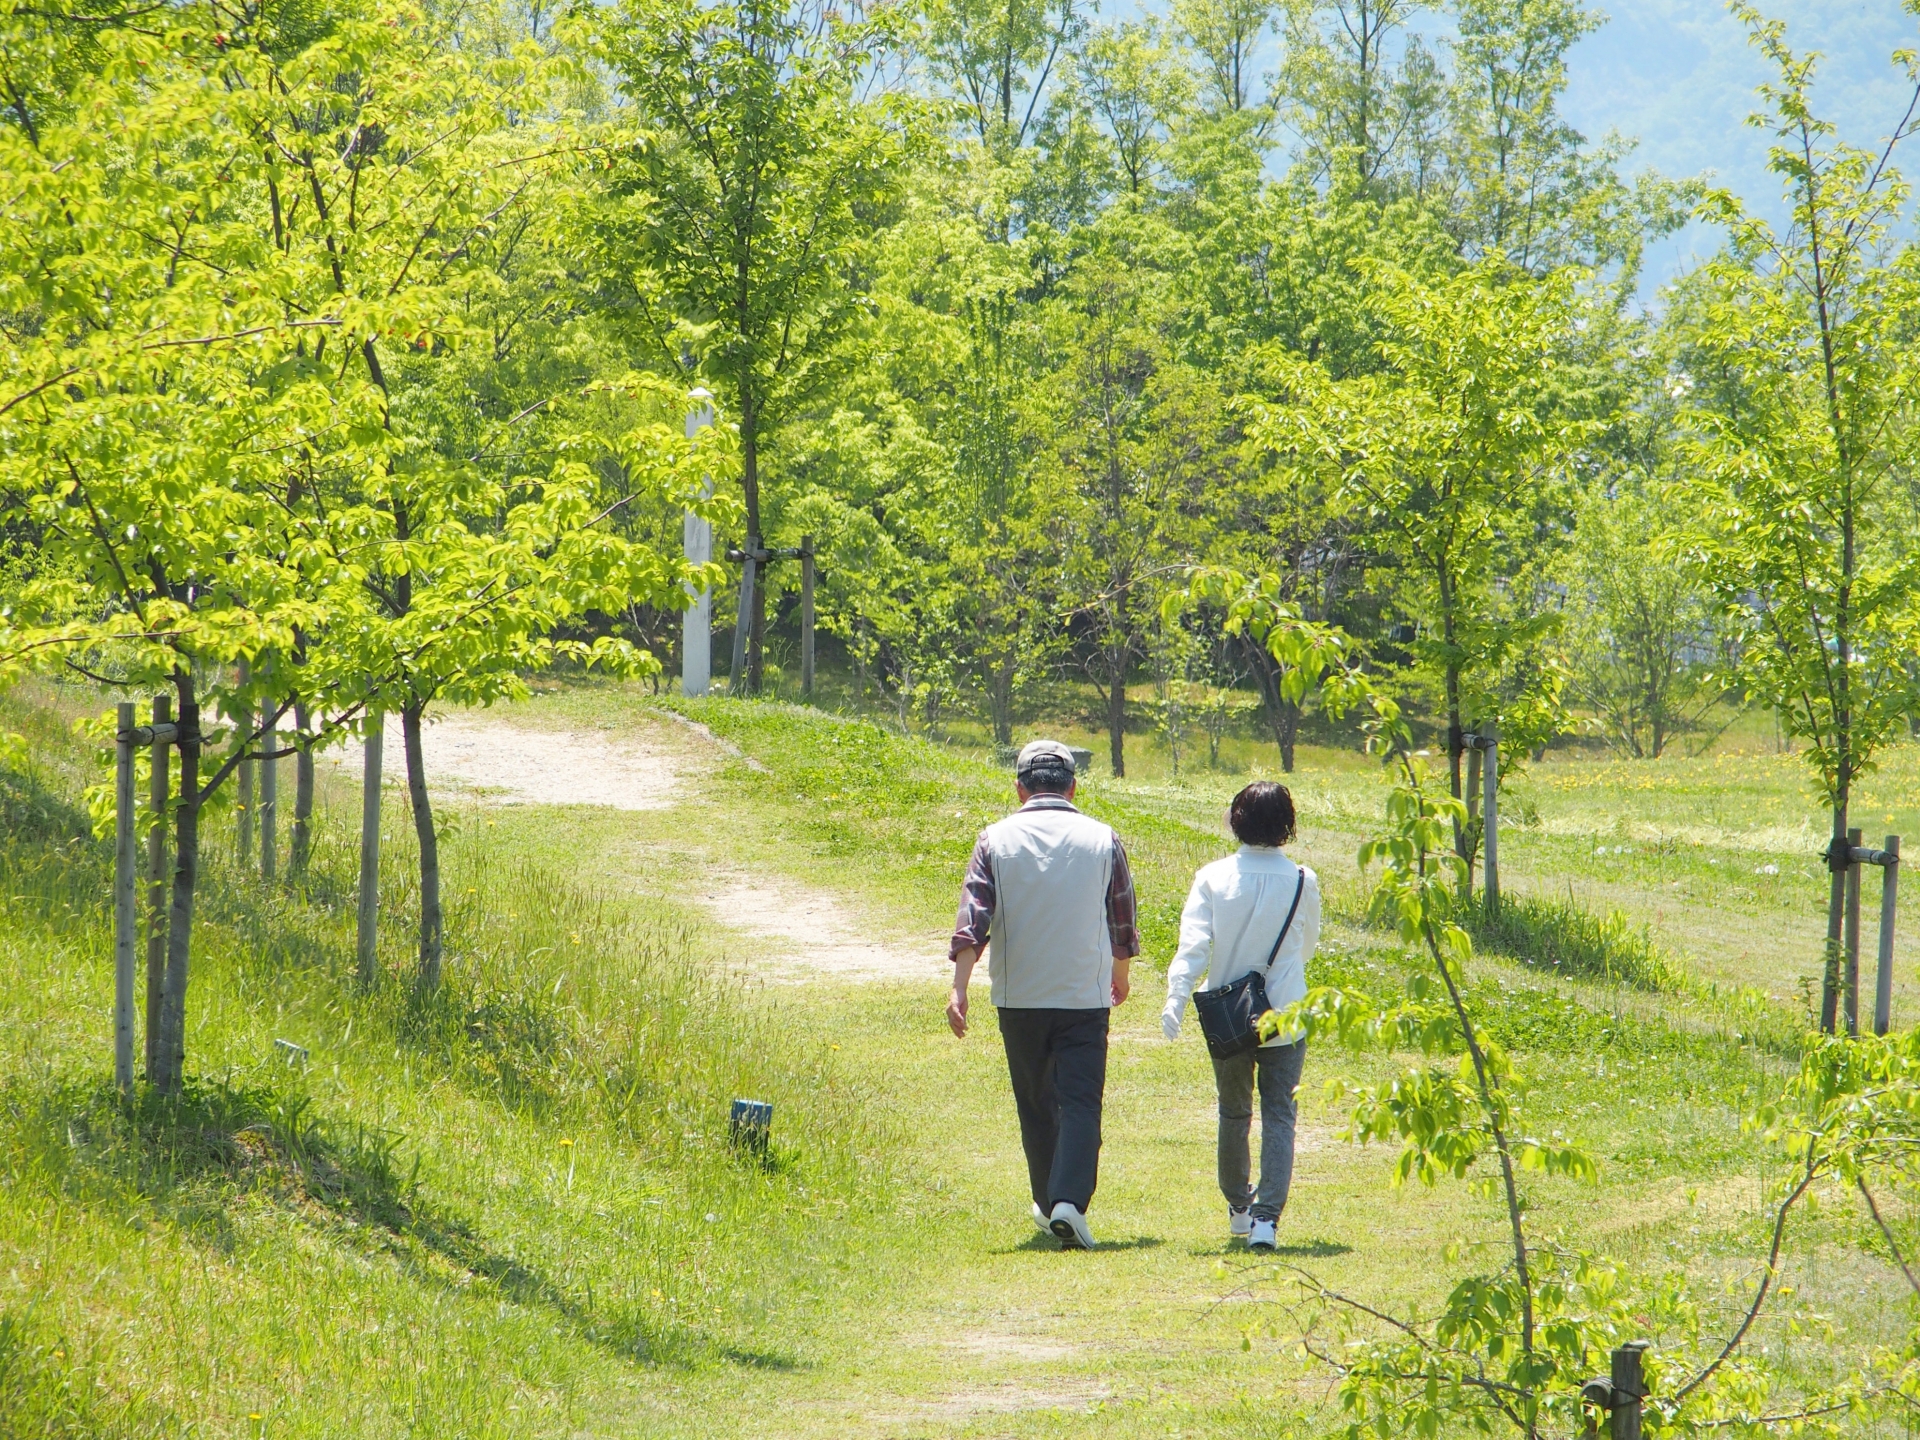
[(1679, 76)]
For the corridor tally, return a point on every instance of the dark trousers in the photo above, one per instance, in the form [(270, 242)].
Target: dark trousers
[(1057, 1060)]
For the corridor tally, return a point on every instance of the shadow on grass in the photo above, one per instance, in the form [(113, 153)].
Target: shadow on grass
[(1313, 1249), (1294, 1250), (1037, 1243), (190, 1158)]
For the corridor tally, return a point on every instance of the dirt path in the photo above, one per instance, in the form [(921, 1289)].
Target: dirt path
[(484, 756)]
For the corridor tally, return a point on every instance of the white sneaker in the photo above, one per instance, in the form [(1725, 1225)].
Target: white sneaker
[(1071, 1226), (1263, 1236), (1040, 1220), (1239, 1222)]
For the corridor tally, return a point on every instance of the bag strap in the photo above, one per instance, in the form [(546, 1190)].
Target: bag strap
[(1299, 889)]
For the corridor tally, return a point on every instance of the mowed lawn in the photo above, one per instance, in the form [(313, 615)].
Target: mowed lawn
[(571, 1261)]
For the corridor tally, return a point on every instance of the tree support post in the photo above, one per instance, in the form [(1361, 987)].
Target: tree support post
[(1850, 978), (269, 792), (1490, 811), (1888, 859), (124, 881), (1629, 1389), (1883, 977), (157, 876), (1621, 1394), (367, 924), (696, 625), (806, 618)]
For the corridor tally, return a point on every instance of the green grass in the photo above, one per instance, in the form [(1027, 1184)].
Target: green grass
[(393, 1239)]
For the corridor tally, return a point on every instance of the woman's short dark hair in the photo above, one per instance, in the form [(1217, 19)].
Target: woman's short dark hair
[(1262, 814)]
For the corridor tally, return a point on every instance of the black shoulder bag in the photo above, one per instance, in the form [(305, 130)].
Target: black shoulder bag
[(1229, 1016)]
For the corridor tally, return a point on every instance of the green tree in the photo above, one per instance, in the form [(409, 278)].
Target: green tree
[(1454, 453), (997, 60), (737, 220), (1137, 434), (1642, 651), (1132, 81), (1366, 98), (1226, 35), (1797, 357), (1525, 183)]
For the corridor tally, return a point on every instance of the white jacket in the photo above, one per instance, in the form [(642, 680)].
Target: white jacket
[(1233, 913)]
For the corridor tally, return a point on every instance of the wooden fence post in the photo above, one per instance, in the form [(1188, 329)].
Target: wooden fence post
[(1850, 979), (1883, 978), (806, 618), (1490, 811), (124, 883), (157, 877), (367, 927)]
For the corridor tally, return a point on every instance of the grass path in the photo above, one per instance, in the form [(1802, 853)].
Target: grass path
[(955, 1317)]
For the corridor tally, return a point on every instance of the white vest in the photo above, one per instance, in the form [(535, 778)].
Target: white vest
[(1050, 948)]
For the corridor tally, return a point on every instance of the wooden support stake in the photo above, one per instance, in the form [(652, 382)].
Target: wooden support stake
[(157, 877), (124, 882), (806, 618), (1883, 977), (367, 929), (1850, 979), (1490, 811), (743, 622), (1629, 1390)]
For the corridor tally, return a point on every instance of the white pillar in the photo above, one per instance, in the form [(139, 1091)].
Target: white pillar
[(696, 625)]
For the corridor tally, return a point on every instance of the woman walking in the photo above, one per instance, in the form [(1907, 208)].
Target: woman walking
[(1255, 911)]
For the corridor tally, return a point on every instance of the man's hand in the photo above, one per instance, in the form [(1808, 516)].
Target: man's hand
[(957, 997), (1122, 984)]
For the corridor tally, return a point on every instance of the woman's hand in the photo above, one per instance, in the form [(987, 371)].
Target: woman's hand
[(1170, 1023)]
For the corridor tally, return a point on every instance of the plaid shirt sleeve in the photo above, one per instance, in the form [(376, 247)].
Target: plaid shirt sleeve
[(977, 896), (1122, 919)]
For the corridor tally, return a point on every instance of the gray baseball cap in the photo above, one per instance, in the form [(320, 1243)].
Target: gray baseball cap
[(1044, 755)]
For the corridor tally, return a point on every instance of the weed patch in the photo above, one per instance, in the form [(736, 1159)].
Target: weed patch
[(1565, 938)]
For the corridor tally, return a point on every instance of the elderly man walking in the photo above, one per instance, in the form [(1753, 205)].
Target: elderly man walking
[(1051, 888)]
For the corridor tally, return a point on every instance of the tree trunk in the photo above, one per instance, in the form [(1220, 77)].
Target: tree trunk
[(243, 824), (171, 1050), (1283, 716), (300, 840), (158, 857), (1456, 735), (432, 936), (1117, 709), (1000, 699), (750, 486)]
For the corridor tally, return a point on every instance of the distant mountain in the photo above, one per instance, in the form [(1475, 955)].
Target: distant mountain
[(1680, 76)]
